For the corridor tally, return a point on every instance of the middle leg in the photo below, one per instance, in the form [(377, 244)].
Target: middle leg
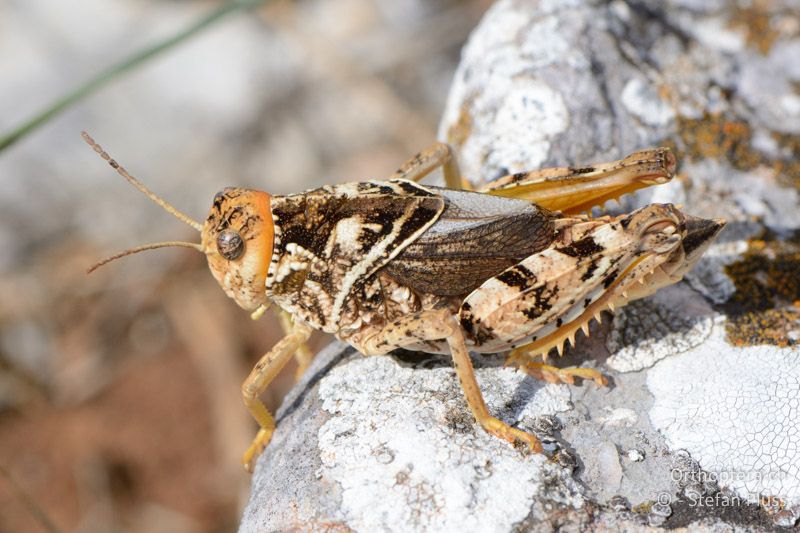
[(437, 155), (441, 324)]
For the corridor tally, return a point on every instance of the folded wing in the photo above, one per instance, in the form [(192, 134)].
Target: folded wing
[(476, 237)]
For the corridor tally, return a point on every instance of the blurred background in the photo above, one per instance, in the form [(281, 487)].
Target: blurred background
[(120, 403)]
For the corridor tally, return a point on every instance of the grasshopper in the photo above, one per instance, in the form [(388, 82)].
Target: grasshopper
[(511, 267)]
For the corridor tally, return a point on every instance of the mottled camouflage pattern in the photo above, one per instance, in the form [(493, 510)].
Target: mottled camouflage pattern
[(330, 242), (351, 259), (358, 259)]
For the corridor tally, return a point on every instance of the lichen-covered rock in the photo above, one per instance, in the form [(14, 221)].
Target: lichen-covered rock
[(700, 426)]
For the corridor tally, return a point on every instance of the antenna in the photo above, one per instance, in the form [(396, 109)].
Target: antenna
[(136, 183), (142, 249)]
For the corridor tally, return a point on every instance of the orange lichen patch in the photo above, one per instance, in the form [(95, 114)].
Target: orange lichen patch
[(715, 137), (764, 310), (764, 327), (763, 281), (458, 133), (756, 23), (790, 167)]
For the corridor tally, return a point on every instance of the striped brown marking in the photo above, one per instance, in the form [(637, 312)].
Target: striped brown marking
[(589, 270), (473, 329), (412, 188), (481, 334), (465, 317), (519, 277), (610, 278), (543, 297), (585, 247)]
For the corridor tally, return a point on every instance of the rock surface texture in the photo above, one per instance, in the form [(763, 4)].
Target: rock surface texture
[(701, 424)]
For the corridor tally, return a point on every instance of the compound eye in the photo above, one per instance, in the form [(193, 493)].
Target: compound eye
[(230, 244), (661, 237)]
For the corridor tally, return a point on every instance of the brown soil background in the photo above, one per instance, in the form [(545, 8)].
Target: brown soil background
[(119, 392)]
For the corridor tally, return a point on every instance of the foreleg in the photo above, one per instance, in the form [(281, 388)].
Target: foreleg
[(303, 355), (257, 382)]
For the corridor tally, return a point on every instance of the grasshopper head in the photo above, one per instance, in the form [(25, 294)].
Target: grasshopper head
[(237, 239), (673, 242), (697, 234)]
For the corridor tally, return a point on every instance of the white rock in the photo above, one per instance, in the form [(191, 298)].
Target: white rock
[(736, 411), (635, 455), (411, 458)]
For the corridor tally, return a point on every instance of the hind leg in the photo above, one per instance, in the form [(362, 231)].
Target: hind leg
[(552, 374), (575, 190)]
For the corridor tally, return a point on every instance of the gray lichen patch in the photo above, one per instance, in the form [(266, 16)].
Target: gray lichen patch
[(517, 116), (753, 199), (736, 411), (643, 101), (403, 447), (619, 453), (755, 202)]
